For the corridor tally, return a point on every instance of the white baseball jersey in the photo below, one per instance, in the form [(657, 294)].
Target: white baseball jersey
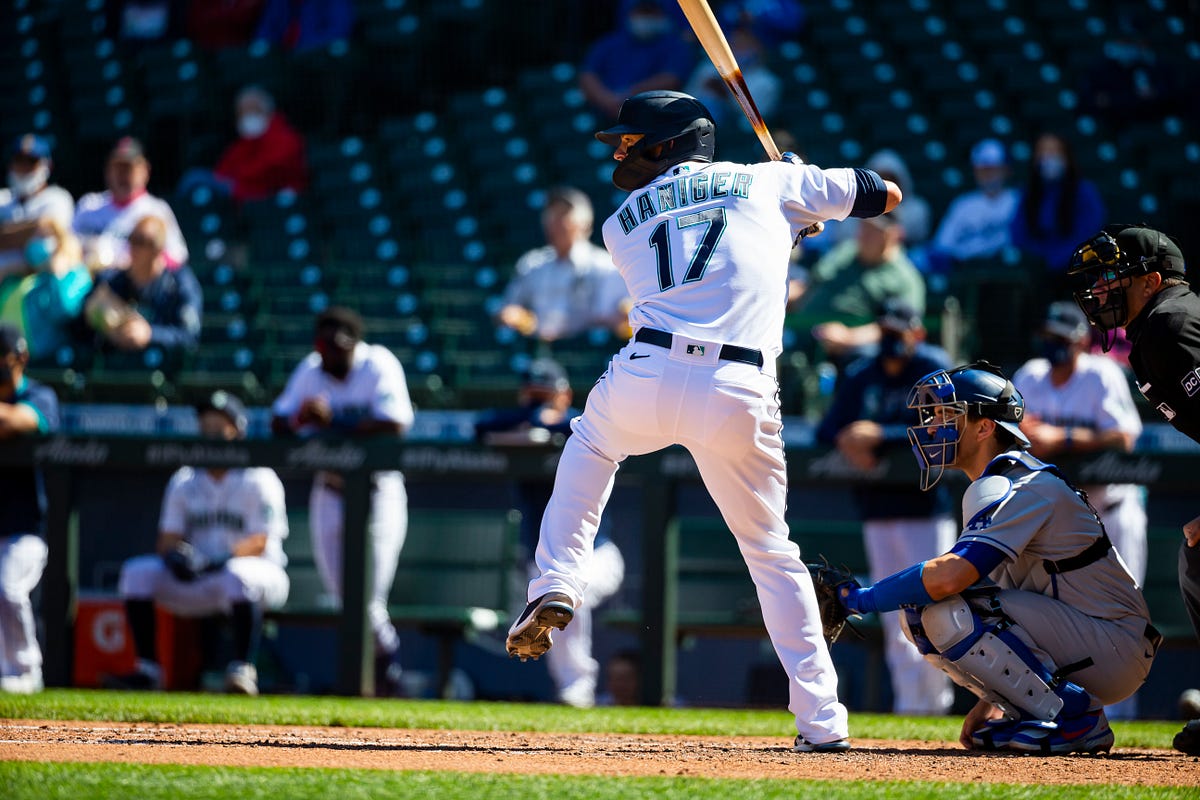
[(214, 514), (375, 388), (696, 245), (1096, 396), (97, 215)]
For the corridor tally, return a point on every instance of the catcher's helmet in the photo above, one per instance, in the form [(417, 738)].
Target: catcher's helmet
[(1111, 260), (677, 121), (941, 398)]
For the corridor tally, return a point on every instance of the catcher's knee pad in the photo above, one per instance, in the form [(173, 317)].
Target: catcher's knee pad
[(1003, 668)]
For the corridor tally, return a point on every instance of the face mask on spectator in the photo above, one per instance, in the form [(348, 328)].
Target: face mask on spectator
[(252, 126), (892, 345), (31, 182), (992, 185), (647, 26), (1052, 167), (39, 249), (1056, 351)]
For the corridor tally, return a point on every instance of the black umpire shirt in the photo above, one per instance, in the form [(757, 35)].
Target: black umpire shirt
[(1166, 356)]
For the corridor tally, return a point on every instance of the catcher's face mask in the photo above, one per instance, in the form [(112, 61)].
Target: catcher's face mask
[(935, 440)]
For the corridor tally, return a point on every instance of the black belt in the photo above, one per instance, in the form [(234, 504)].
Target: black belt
[(729, 352), (1094, 552)]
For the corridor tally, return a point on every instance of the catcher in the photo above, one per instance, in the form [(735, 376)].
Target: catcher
[(1032, 610)]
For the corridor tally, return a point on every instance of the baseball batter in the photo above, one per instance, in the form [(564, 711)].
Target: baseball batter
[(349, 387), (703, 248), (1059, 628), (220, 551)]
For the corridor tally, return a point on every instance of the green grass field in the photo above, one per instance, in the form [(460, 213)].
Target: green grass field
[(40, 781)]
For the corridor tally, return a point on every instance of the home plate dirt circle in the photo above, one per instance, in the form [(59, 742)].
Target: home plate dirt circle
[(570, 754)]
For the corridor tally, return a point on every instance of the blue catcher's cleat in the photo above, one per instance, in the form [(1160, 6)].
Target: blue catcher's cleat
[(1086, 733)]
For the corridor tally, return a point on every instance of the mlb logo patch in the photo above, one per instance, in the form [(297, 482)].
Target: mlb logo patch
[(1167, 412), (1191, 383), (695, 349)]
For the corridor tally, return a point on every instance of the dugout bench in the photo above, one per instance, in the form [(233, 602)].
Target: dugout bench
[(454, 579)]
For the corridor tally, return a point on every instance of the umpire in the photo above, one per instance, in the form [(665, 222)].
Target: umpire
[(1138, 281)]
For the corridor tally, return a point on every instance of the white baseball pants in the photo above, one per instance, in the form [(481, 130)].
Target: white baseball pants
[(249, 579), (22, 561), (387, 527), (892, 545), (727, 416)]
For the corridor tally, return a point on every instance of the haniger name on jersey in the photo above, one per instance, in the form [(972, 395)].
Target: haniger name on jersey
[(684, 190)]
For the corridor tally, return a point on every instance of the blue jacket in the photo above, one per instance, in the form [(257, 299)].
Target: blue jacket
[(865, 391), (172, 303)]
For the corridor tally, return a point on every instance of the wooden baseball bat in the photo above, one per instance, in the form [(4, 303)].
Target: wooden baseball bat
[(708, 31)]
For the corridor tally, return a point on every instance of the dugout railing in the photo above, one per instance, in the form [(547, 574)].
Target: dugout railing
[(659, 479)]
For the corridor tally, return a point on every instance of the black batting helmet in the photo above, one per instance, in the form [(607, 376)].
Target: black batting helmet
[(677, 121)]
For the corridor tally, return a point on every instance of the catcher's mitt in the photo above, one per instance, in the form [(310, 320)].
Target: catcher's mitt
[(826, 580)]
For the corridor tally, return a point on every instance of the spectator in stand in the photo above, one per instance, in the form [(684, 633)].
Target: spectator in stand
[(29, 197), (1058, 208), (645, 52), (267, 158), (978, 223), (544, 410), (219, 551), (300, 25), (105, 220), (217, 24), (848, 286), (570, 285), (1076, 402), (867, 421), (145, 303), (26, 408), (43, 301), (1129, 83), (140, 22)]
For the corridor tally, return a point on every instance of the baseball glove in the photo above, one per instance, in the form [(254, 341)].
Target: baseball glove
[(827, 581)]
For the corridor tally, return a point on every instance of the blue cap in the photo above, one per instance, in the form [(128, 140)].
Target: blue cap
[(988, 153), (32, 146)]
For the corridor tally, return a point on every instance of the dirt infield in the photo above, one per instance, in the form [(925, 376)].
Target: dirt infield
[(569, 754)]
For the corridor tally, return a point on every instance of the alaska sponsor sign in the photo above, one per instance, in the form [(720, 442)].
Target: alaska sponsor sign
[(316, 454), (68, 452), (1112, 468)]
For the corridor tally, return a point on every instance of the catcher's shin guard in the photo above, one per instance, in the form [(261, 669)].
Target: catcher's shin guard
[(994, 664)]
